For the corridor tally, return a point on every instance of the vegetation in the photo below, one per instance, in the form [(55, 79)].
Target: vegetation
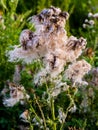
[(14, 16)]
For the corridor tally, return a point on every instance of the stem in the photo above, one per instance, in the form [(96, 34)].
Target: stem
[(71, 103), (53, 113), (61, 128), (46, 87), (31, 126), (32, 109), (45, 127)]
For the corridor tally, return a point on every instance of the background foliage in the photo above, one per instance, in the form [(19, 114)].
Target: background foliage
[(13, 19)]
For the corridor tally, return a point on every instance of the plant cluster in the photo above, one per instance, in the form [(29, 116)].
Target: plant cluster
[(48, 81)]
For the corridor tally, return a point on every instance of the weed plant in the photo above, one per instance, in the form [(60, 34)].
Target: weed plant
[(73, 109)]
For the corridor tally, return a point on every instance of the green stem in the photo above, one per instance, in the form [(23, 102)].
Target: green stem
[(41, 112), (31, 126), (53, 112), (33, 111), (61, 126), (71, 103)]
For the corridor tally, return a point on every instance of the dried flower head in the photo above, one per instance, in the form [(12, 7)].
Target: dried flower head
[(89, 23), (94, 80), (17, 93), (26, 38), (93, 15), (24, 116), (76, 71), (74, 48), (50, 19), (90, 14), (48, 43)]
